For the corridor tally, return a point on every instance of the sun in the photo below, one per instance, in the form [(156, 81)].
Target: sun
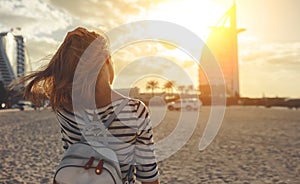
[(197, 16)]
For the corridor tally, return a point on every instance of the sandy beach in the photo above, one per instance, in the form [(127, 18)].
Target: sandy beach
[(254, 145)]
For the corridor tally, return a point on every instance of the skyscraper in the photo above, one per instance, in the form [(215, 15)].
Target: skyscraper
[(13, 59)]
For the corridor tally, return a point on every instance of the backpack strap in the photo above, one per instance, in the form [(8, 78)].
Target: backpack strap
[(111, 118), (116, 112), (130, 174)]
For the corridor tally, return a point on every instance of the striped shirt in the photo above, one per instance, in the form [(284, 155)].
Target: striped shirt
[(132, 136)]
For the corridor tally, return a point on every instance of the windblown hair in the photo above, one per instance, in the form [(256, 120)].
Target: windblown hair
[(56, 80)]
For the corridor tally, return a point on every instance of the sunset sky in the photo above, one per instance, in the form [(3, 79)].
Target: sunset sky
[(269, 49)]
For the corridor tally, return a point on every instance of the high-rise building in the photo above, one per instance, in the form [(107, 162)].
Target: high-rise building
[(222, 45), (13, 58)]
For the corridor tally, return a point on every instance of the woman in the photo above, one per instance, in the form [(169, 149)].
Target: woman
[(79, 76)]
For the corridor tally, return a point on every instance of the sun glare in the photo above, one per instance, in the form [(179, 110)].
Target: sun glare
[(196, 16)]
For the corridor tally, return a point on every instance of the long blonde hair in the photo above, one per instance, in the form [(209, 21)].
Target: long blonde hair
[(56, 80)]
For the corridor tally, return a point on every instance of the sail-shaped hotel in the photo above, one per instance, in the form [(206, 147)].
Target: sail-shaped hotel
[(223, 45)]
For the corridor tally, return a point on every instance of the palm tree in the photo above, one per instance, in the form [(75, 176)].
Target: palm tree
[(152, 84), (168, 86)]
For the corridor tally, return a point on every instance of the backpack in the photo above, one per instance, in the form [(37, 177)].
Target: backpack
[(87, 162)]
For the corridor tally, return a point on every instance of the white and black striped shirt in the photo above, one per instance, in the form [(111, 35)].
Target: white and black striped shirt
[(132, 128)]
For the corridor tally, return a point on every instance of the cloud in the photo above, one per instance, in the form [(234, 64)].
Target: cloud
[(105, 14), (44, 23), (144, 60), (39, 48), (285, 59), (14, 20), (272, 53), (274, 80), (145, 68), (34, 17), (136, 51), (270, 68)]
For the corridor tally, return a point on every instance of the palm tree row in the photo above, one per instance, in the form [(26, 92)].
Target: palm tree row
[(168, 87)]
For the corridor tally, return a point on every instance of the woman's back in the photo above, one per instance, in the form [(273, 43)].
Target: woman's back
[(132, 136)]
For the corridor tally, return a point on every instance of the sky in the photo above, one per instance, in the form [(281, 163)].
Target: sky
[(269, 49)]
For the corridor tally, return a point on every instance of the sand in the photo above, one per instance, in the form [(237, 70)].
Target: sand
[(254, 145)]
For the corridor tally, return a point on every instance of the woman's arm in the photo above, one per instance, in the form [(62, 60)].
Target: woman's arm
[(146, 164)]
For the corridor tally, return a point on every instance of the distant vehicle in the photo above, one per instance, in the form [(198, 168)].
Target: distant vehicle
[(23, 105), (3, 105), (185, 103)]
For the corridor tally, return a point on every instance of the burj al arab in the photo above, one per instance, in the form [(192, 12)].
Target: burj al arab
[(222, 44)]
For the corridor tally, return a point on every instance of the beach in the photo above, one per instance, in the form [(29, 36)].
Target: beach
[(253, 145)]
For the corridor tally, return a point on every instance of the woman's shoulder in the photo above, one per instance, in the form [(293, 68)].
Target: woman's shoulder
[(116, 96), (136, 102)]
